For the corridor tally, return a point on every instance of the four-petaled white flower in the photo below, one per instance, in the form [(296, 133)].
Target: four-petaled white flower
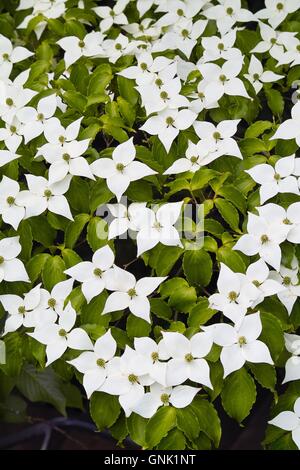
[(292, 366), (219, 138), (257, 77), (93, 274), (227, 14), (10, 55), (112, 16), (11, 268), (276, 11), (130, 293), (11, 209), (121, 169), (196, 156), (34, 120), (289, 421), (290, 128), (93, 364), (89, 46), (126, 218), (288, 278), (240, 344), (59, 336)]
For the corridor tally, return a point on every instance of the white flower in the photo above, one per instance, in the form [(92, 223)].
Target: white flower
[(287, 220), (112, 16), (146, 28), (196, 156), (290, 421), (179, 397), (222, 80), (59, 336), (290, 128), (127, 376), (42, 195), (236, 294), (121, 169), (288, 278), (167, 125), (20, 309), (15, 98), (200, 101), (168, 96), (12, 134), (292, 366), (259, 275), (10, 55), (150, 349), (116, 48), (52, 303), (257, 77), (263, 238), (93, 274), (276, 11), (34, 120), (158, 227), (6, 156), (273, 41), (130, 293), (93, 364), (11, 268), (219, 138), (148, 69), (89, 46), (144, 5), (11, 209), (220, 48), (227, 14), (275, 180), (240, 344), (187, 358), (125, 218)]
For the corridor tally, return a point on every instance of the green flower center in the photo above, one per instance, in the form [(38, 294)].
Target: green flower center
[(1, 260), (280, 6), (287, 221), (132, 293), (112, 13), (223, 78), (287, 281), (40, 117), (229, 11), (132, 378), (5, 56), (66, 157), (165, 398), (256, 283), (51, 302), (170, 121), (180, 12), (101, 363), (232, 296), (277, 177), (62, 333), (217, 136), (81, 44), (242, 340), (188, 357), (154, 356), (143, 66), (298, 47), (159, 82), (164, 95), (10, 200), (47, 193), (62, 139), (264, 239), (157, 225), (118, 46), (221, 46), (120, 167), (9, 102), (98, 272), (13, 129), (194, 159), (256, 76), (201, 95), (21, 310), (273, 41), (185, 33)]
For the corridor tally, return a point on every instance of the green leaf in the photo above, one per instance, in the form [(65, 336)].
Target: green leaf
[(97, 233), (228, 212), (53, 272), (232, 259), (265, 374), (42, 232), (165, 258), (35, 265), (104, 409), (200, 314), (208, 419), (127, 111), (70, 257), (78, 195), (272, 334), (74, 229), (13, 409), (187, 422), (127, 90), (137, 429), (159, 425), (174, 440), (275, 101), (25, 234), (42, 386), (99, 195), (252, 146), (161, 309), (258, 128), (137, 327), (14, 354), (183, 299), (238, 394), (214, 227), (197, 266), (139, 191), (233, 195), (201, 178)]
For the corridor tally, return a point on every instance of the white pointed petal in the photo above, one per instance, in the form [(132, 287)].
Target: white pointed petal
[(55, 350), (286, 420), (79, 339), (177, 372), (232, 359)]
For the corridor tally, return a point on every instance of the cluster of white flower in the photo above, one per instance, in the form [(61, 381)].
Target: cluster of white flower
[(152, 374)]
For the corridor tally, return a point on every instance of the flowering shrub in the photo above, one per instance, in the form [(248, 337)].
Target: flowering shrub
[(150, 212)]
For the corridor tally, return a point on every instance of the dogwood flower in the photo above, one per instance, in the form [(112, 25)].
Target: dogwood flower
[(263, 238), (89, 46), (222, 80), (112, 16), (196, 156), (274, 180), (272, 41), (10, 55), (286, 219), (121, 169), (289, 129), (168, 96), (288, 278), (34, 120), (227, 14), (127, 376), (149, 69), (130, 293), (220, 48), (257, 77), (6, 156), (240, 344), (236, 294), (144, 29), (289, 421), (219, 138), (15, 97), (150, 349), (42, 195), (292, 366), (187, 358), (144, 5), (93, 274), (12, 134), (116, 48), (167, 125), (276, 12), (125, 218), (200, 101), (47, 8), (179, 397), (158, 227), (59, 336), (93, 364), (11, 268), (11, 209), (52, 303), (259, 275), (20, 309)]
